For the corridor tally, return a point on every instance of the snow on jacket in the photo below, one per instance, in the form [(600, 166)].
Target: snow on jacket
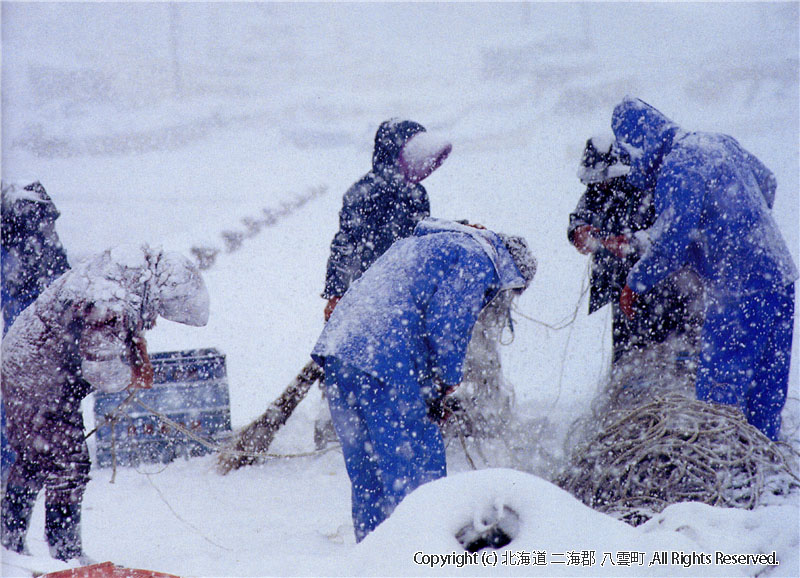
[(76, 336), (380, 208), (713, 201), (410, 316), (32, 255)]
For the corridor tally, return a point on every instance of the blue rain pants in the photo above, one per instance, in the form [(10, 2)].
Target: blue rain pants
[(390, 445), (746, 353)]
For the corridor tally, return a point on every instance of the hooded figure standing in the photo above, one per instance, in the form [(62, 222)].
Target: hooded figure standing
[(395, 345), (385, 204), (32, 255), (85, 331), (713, 202)]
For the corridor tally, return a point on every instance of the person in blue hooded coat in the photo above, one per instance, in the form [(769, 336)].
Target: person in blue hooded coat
[(713, 203), (394, 347)]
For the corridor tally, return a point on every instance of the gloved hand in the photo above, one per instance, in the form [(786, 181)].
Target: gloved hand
[(441, 408), (627, 298), (330, 306), (585, 240), (618, 245), (141, 368)]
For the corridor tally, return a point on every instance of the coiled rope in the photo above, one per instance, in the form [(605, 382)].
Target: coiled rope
[(677, 449)]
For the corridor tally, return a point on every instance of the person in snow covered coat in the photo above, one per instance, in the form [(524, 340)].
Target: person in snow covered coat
[(85, 331), (395, 345), (713, 203), (385, 204), (32, 255), (610, 223)]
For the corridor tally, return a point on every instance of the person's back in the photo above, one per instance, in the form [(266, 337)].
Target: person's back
[(713, 201), (391, 309), (32, 254), (741, 246)]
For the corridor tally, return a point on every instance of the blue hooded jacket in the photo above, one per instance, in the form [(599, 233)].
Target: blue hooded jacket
[(376, 211), (410, 316), (712, 200)]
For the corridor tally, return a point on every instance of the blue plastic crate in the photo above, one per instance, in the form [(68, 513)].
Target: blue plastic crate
[(190, 387)]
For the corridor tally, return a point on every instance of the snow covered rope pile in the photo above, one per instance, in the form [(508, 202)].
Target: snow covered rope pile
[(677, 449)]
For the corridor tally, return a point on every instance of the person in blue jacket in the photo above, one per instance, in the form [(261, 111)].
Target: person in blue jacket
[(713, 203), (395, 346)]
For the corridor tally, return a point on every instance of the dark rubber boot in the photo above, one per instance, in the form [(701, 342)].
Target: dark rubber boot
[(17, 507), (62, 527)]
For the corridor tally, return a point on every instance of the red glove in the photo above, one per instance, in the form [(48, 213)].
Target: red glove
[(141, 368), (626, 300), (584, 240), (330, 306), (619, 245)]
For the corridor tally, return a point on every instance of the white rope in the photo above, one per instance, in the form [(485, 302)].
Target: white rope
[(676, 449)]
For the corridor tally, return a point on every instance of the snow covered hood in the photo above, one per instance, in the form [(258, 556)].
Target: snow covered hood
[(646, 134), (389, 141), (147, 282), (507, 272)]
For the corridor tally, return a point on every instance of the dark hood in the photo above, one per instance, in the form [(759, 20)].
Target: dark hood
[(389, 141)]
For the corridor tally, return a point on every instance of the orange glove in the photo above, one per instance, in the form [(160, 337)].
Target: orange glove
[(626, 300), (330, 306), (142, 368), (584, 240)]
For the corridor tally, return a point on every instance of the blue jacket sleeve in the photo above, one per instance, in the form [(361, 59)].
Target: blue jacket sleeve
[(679, 197), (452, 312), (765, 179)]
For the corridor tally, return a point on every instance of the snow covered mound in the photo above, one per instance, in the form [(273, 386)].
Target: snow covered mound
[(558, 535)]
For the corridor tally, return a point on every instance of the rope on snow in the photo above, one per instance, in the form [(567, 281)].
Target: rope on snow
[(678, 449)]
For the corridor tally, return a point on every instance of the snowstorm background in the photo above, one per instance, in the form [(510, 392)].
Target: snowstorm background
[(178, 123)]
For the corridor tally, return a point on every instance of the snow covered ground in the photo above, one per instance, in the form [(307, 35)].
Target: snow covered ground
[(170, 123)]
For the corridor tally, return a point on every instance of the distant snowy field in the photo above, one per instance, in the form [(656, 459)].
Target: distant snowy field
[(170, 123)]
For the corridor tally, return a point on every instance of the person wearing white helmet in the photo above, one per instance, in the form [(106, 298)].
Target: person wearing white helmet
[(84, 332)]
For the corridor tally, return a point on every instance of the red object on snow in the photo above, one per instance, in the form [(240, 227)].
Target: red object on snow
[(107, 570)]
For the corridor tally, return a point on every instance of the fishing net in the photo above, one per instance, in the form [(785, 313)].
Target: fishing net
[(649, 443)]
